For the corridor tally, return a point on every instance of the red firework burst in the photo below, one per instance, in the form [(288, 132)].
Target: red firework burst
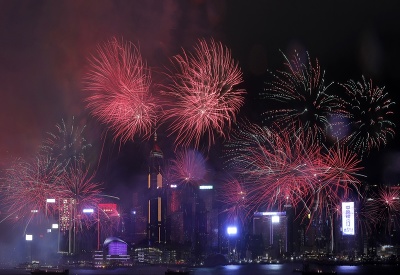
[(79, 184), (233, 194), (384, 206), (390, 198), (119, 83), (27, 187), (188, 168), (278, 167), (288, 168), (337, 175), (367, 216), (388, 203), (202, 98)]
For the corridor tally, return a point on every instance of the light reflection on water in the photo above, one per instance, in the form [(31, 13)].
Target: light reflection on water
[(255, 269), (288, 268), (349, 269), (252, 269), (232, 267)]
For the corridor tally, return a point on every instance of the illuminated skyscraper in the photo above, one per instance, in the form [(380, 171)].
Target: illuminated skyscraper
[(272, 226), (66, 225), (156, 205)]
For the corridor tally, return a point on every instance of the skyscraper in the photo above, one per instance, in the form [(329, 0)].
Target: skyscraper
[(156, 205), (272, 226)]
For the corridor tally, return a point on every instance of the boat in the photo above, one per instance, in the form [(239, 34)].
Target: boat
[(306, 270), (49, 271), (177, 272), (317, 272)]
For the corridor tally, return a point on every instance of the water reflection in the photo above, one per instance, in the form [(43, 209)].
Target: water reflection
[(288, 268), (252, 269), (348, 269)]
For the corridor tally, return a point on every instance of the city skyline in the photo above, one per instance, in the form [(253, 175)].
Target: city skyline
[(47, 48)]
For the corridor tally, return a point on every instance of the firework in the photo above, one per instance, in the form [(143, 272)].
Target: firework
[(370, 112), (188, 168), (202, 98), (277, 173), (109, 218), (367, 216), (287, 168), (303, 98), (66, 144), (119, 85), (79, 185), (338, 174), (387, 201), (28, 185), (233, 194)]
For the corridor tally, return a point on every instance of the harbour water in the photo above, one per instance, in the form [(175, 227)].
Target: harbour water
[(251, 269)]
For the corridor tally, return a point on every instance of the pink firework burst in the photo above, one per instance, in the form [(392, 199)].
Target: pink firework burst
[(188, 168), (278, 167), (367, 215), (388, 199), (27, 187), (337, 175), (288, 168), (203, 98), (79, 185), (385, 204), (302, 98), (119, 85), (234, 197), (370, 110)]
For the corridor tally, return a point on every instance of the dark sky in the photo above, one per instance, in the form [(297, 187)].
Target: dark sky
[(44, 46)]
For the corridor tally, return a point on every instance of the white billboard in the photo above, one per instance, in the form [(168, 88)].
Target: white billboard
[(348, 218)]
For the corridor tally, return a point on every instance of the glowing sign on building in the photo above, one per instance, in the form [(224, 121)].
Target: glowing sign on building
[(206, 187), (109, 208), (348, 218), (66, 214)]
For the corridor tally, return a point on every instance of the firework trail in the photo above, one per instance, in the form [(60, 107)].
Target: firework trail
[(276, 173), (370, 111), (66, 144), (232, 194), (202, 98), (367, 216), (289, 168), (80, 185), (338, 174), (188, 168), (302, 97), (119, 85), (387, 202), (28, 185)]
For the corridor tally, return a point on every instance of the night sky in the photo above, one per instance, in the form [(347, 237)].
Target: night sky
[(44, 47)]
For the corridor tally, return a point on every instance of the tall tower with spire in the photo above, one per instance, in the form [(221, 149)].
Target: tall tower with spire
[(156, 216)]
